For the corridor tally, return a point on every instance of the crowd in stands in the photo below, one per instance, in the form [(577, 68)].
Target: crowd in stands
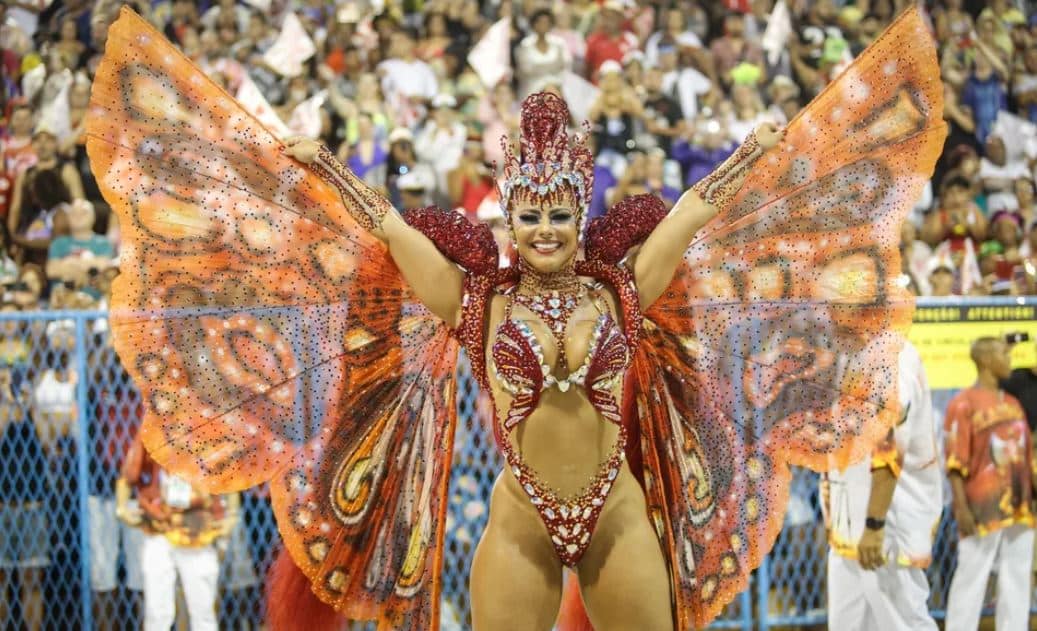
[(415, 96)]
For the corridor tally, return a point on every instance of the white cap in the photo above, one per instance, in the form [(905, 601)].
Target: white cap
[(938, 262), (689, 40), (444, 100), (400, 133), (609, 66), (634, 55)]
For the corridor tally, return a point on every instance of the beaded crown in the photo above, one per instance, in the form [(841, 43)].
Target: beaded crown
[(549, 162)]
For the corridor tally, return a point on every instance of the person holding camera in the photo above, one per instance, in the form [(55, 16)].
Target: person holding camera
[(990, 466), (24, 533)]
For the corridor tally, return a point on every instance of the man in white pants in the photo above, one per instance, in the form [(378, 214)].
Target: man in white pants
[(881, 515), (989, 462), (181, 525)]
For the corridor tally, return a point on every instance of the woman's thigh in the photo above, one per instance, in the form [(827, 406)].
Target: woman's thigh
[(516, 581), (623, 576)]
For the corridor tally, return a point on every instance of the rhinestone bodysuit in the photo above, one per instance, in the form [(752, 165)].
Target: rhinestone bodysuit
[(517, 361)]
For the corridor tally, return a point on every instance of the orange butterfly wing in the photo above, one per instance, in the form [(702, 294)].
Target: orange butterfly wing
[(272, 338), (777, 342)]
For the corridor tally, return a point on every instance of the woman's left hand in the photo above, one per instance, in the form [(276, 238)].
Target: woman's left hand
[(769, 135)]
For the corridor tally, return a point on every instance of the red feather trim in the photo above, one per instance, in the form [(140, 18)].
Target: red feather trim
[(573, 614), (291, 603)]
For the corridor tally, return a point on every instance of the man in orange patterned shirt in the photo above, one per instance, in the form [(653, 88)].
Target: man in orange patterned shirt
[(990, 465)]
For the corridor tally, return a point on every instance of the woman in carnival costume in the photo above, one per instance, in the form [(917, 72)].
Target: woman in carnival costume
[(654, 374)]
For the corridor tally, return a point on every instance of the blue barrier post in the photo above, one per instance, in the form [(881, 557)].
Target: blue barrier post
[(763, 589), (747, 607), (83, 465)]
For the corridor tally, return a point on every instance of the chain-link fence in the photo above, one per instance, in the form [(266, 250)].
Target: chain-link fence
[(69, 411)]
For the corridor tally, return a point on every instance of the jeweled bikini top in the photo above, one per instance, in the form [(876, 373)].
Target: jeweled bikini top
[(517, 361)]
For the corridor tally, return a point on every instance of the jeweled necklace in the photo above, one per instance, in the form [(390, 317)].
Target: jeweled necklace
[(552, 297)]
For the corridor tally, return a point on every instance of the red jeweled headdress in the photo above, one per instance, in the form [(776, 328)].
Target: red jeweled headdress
[(550, 162)]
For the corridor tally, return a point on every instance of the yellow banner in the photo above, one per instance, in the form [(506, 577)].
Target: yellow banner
[(943, 335)]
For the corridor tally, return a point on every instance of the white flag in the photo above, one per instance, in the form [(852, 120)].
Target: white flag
[(256, 104), (305, 118), (292, 47), (491, 57), (54, 114), (779, 27), (579, 94)]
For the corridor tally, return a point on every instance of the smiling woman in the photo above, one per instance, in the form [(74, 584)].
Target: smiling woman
[(648, 407)]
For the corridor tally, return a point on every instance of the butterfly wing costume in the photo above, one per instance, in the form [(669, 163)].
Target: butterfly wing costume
[(273, 338)]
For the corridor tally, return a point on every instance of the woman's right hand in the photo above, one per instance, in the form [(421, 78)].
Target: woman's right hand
[(301, 148)]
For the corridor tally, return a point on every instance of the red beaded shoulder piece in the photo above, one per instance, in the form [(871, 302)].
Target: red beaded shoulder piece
[(469, 245), (625, 225)]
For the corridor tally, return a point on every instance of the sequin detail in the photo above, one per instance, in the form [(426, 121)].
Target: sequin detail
[(363, 202), (722, 184)]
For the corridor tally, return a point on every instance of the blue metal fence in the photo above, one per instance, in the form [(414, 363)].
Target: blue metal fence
[(57, 473)]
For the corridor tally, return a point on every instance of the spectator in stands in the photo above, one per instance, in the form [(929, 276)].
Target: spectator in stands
[(956, 219), (941, 277), (703, 145), (662, 113), (24, 531), (436, 38), (1024, 199), (1024, 85), (610, 41), (472, 180), (989, 462), (30, 290), (18, 152), (564, 29), (953, 24), (984, 94), (38, 194), (440, 143), (71, 257), (613, 116), (402, 160), (542, 57), (1006, 229), (369, 155), (732, 48), (407, 82), (998, 173), (114, 417)]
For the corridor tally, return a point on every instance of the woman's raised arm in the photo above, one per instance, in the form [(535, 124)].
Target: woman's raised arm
[(658, 258), (435, 279)]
